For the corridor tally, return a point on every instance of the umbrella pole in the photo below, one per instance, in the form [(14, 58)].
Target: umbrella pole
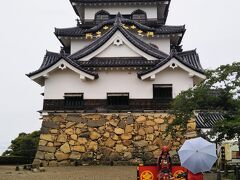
[(225, 169), (219, 177), (239, 146), (237, 172)]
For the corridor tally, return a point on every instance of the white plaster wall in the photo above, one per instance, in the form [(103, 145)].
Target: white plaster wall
[(77, 44), (150, 10), (66, 81), (129, 48), (126, 50), (162, 43), (118, 51)]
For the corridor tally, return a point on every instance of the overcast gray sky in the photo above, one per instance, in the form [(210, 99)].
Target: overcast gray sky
[(27, 27)]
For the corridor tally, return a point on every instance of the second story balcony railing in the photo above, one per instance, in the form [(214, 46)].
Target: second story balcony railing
[(103, 106)]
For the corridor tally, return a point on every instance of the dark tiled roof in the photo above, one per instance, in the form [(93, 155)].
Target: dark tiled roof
[(104, 1), (142, 45), (82, 30), (94, 45), (130, 36), (157, 29), (118, 62), (191, 57), (70, 32), (188, 58), (154, 23), (208, 119), (164, 29), (89, 2), (52, 58)]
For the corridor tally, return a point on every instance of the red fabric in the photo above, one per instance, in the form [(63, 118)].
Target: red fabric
[(153, 170), (164, 162), (177, 170), (165, 149), (198, 176), (148, 171)]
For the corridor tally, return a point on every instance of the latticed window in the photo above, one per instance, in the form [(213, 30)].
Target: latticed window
[(162, 91), (118, 99), (139, 15), (101, 16), (73, 99)]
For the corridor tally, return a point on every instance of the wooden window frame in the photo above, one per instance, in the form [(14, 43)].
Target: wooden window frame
[(117, 94), (101, 14), (77, 102), (139, 13), (159, 98)]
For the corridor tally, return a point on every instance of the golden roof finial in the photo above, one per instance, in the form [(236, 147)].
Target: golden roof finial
[(99, 33), (140, 32), (133, 27), (150, 34), (88, 35), (105, 27)]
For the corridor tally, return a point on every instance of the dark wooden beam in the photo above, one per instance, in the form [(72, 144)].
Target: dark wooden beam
[(101, 105)]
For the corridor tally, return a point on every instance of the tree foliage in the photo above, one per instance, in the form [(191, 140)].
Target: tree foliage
[(24, 145), (218, 92)]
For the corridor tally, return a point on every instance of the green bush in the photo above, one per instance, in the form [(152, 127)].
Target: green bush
[(15, 160), (25, 145)]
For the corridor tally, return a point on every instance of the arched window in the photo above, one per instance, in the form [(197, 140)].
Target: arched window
[(102, 16), (139, 15)]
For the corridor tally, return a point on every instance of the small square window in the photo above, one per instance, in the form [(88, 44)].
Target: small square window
[(139, 15), (162, 91), (73, 99), (102, 15), (118, 99)]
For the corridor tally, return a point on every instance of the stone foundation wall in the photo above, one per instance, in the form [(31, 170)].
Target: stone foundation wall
[(106, 138)]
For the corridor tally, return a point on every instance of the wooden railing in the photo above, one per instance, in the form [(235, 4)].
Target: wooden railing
[(102, 105)]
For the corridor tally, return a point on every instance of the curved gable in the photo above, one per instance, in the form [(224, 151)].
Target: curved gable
[(116, 46), (53, 61), (173, 63), (108, 38)]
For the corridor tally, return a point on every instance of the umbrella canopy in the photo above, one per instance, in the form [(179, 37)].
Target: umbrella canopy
[(198, 155)]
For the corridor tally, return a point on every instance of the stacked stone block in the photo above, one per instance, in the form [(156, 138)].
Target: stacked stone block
[(129, 138)]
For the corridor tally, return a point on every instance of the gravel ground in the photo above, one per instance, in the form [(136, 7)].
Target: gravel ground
[(77, 173), (71, 173)]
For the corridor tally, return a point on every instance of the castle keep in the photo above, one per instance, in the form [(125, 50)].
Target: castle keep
[(107, 92)]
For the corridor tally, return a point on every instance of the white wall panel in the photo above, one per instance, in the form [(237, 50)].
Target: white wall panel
[(91, 11), (66, 81), (162, 43), (77, 45)]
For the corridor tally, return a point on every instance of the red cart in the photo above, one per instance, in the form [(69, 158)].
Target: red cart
[(150, 172)]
